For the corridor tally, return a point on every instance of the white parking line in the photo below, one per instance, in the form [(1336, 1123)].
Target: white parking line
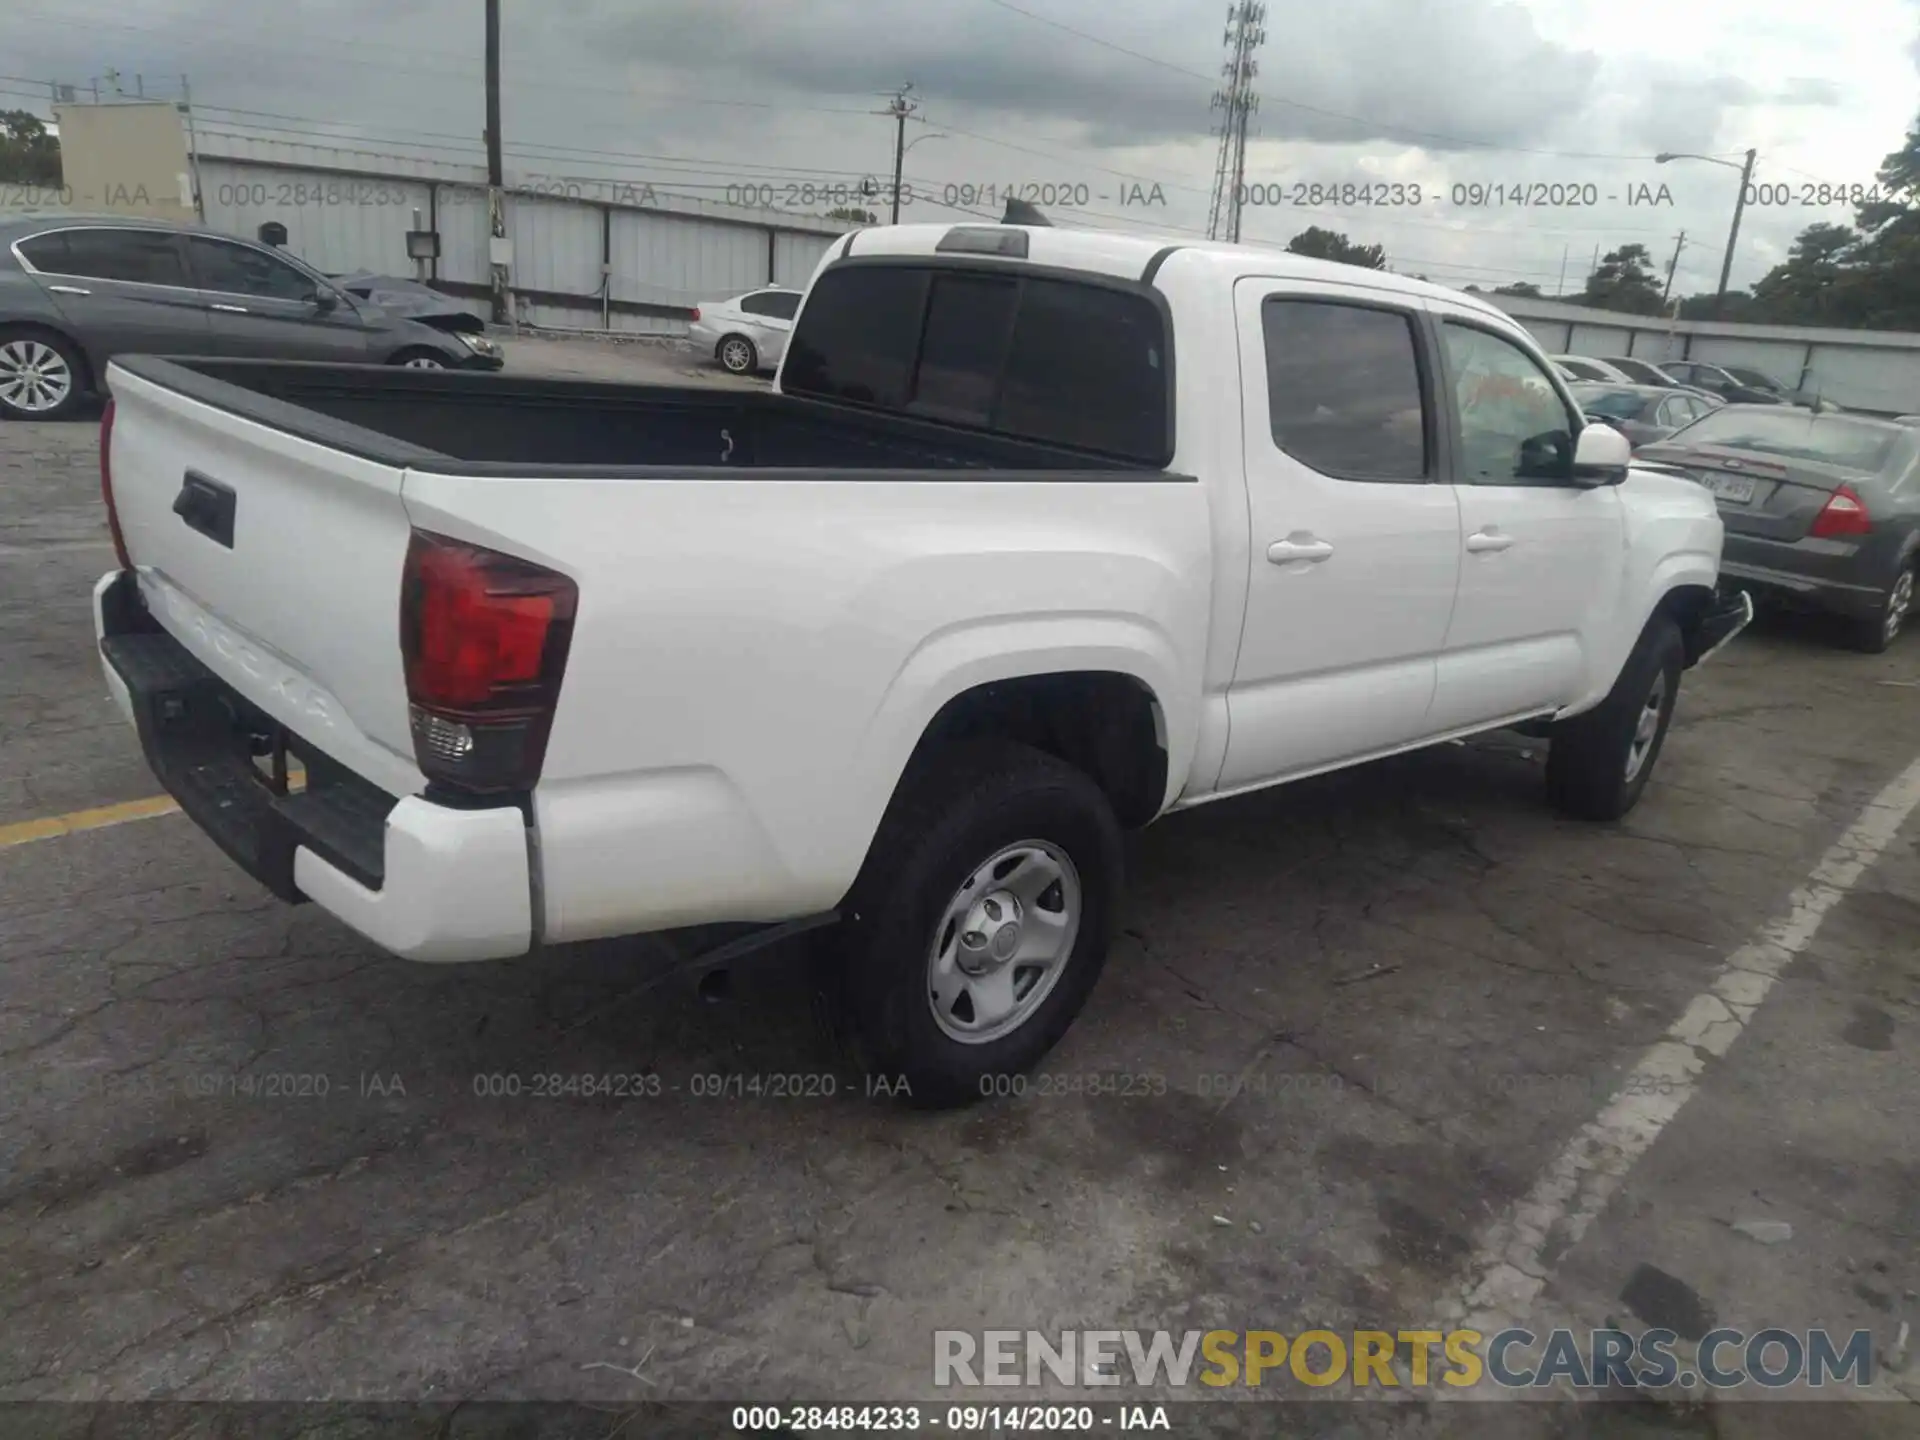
[(1510, 1266)]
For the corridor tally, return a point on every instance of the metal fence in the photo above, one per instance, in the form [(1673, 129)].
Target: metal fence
[(1876, 371), (589, 254)]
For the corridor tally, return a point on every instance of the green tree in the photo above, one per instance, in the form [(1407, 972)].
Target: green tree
[(853, 213), (1817, 283), (1741, 307), (1329, 245), (1883, 292), (28, 154), (1624, 280), (1521, 287)]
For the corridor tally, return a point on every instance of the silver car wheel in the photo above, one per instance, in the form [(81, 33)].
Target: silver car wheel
[(33, 376), (1003, 942), (1899, 603), (1646, 730), (423, 362), (736, 355)]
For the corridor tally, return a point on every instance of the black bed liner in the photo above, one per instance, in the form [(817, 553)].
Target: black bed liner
[(467, 423)]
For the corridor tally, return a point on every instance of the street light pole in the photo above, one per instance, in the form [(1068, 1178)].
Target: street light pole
[(1739, 207)]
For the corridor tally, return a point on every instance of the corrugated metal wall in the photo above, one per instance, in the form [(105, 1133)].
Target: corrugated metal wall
[(1597, 340), (348, 218)]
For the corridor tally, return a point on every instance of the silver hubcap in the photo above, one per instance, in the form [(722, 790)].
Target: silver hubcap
[(423, 362), (33, 376), (1003, 941), (736, 355), (1647, 729), (1899, 603)]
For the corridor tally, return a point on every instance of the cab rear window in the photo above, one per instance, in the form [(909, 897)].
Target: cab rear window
[(1063, 362)]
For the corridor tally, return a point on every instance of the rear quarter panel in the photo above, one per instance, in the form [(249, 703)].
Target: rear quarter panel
[(754, 660)]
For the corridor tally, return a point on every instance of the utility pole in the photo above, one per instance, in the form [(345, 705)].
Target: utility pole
[(1679, 244), (900, 108), (1726, 265), (1565, 250), (193, 151), (498, 248), (1236, 104)]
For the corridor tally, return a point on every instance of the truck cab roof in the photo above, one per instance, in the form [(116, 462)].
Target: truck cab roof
[(1134, 256)]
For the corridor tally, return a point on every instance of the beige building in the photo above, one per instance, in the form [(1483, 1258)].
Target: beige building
[(128, 157)]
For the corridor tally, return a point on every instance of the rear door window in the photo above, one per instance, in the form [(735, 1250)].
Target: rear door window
[(774, 304), (145, 257), (1064, 362), (1343, 388)]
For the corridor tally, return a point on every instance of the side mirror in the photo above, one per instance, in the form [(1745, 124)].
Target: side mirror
[(324, 300), (1600, 456)]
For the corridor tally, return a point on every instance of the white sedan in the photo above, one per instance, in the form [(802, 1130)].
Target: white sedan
[(747, 333)]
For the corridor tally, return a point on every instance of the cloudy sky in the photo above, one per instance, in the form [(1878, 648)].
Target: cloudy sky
[(1104, 102)]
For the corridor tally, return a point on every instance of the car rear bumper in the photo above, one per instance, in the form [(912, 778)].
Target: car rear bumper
[(1825, 574), (424, 881)]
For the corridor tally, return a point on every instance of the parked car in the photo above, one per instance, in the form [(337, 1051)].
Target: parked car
[(900, 645), (1821, 510), (1735, 384), (747, 333), (76, 291), (1584, 367), (1638, 371), (1642, 413)]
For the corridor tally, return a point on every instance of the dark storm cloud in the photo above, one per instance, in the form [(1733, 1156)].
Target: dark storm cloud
[(1470, 71)]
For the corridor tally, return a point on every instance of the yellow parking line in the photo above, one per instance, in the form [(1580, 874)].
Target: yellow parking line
[(25, 832)]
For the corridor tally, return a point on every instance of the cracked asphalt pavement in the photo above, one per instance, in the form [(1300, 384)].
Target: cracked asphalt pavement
[(245, 1156)]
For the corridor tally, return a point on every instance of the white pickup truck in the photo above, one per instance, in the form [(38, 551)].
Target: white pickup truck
[(1042, 535)]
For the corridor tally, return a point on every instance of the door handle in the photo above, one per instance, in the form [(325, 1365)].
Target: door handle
[(1482, 541), (68, 290), (1284, 552), (232, 309)]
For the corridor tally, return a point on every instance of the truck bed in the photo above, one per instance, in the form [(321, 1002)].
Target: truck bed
[(499, 424)]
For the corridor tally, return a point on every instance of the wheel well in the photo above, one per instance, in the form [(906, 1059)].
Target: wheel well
[(54, 332), (407, 352), (1686, 606), (733, 335), (1104, 723)]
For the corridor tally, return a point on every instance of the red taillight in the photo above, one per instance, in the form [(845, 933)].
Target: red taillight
[(1845, 513), (484, 638), (696, 312), (106, 486)]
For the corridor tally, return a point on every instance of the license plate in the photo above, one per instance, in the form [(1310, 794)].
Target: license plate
[(1736, 488)]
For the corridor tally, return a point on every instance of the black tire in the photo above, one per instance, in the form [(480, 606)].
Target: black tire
[(954, 812), (69, 356), (737, 355), (1590, 770), (418, 353), (1874, 634)]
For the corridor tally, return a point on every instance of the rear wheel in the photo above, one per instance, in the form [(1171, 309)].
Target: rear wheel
[(737, 355), (1874, 633), (1599, 762), (980, 922), (40, 375)]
